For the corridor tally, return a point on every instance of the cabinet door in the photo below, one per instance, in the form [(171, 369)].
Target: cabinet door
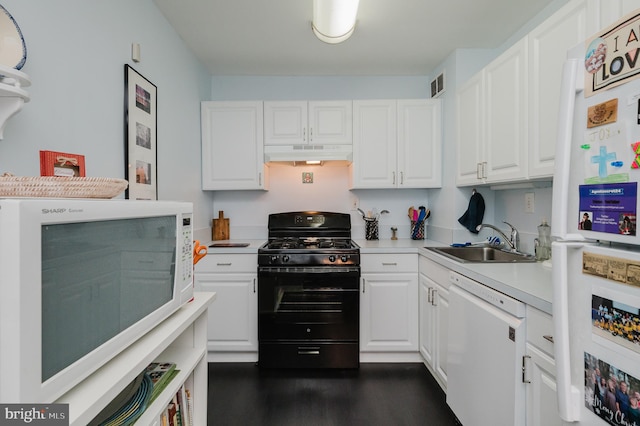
[(285, 123), (427, 321), (542, 402), (440, 302), (434, 312), (506, 132), (389, 313), (232, 148), (233, 319), (419, 144), (609, 11), (548, 45), (330, 123), (374, 144), (470, 131)]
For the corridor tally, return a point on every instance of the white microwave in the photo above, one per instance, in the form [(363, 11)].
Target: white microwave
[(81, 280)]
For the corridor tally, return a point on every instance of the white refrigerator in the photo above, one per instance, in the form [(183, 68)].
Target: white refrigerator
[(596, 248)]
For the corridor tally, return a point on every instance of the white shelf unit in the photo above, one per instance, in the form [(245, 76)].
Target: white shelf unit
[(12, 94), (181, 338)]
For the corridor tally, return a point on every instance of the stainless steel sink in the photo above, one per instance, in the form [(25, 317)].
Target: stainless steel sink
[(476, 254)]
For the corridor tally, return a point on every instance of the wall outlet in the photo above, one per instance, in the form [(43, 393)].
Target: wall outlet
[(529, 202)]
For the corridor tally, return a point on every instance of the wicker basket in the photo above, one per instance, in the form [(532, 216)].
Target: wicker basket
[(60, 187)]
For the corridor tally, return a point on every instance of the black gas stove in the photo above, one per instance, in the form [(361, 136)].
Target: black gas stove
[(309, 238), (308, 292)]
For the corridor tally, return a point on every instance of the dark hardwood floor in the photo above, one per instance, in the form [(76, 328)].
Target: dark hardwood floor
[(375, 394)]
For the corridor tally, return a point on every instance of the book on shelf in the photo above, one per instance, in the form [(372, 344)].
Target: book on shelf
[(161, 373)]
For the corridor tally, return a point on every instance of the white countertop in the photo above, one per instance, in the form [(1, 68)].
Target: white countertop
[(528, 282)]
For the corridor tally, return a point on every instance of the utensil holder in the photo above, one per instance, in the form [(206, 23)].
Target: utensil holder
[(417, 230), (371, 229)]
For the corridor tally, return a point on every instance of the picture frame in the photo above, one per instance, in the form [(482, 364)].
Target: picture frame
[(53, 163), (140, 123)]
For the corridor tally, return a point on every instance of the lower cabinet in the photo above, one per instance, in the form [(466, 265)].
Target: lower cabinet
[(389, 303), (434, 314), (539, 371), (233, 320)]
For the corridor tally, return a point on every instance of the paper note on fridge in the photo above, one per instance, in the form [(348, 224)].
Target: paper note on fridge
[(608, 208)]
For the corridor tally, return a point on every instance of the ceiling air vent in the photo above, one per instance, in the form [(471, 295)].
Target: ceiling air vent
[(437, 86)]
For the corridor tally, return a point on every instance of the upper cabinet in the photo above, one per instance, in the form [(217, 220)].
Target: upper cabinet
[(548, 45), (506, 115), (396, 144), (308, 123), (232, 146), (492, 121)]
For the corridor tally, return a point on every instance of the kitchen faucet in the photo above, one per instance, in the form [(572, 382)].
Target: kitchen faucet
[(513, 241)]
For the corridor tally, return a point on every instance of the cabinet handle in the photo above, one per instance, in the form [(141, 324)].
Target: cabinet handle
[(394, 177), (260, 179), (304, 134), (254, 285), (549, 338), (401, 178), (484, 170), (478, 171), (434, 293), (429, 297), (389, 263), (524, 369), (223, 264), (310, 134), (363, 285)]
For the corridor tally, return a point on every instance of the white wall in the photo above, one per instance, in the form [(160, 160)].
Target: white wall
[(76, 51)]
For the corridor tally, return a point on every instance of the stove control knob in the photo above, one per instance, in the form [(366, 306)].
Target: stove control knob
[(285, 258), (344, 258), (332, 258), (274, 259)]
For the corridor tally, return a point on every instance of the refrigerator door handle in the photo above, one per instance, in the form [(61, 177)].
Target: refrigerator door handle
[(572, 84), (569, 401)]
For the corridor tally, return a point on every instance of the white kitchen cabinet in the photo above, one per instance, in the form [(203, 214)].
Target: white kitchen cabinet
[(233, 321), (492, 139), (434, 314), (470, 131), (308, 123), (232, 146), (539, 371), (548, 45), (396, 144), (610, 11), (389, 303), (506, 132)]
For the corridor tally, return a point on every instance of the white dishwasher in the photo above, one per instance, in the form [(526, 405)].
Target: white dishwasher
[(485, 350)]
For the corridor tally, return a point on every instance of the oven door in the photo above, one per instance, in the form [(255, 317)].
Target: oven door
[(308, 303)]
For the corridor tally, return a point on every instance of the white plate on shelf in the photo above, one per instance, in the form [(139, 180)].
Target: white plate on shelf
[(13, 51)]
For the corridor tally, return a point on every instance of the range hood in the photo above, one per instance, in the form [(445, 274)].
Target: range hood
[(308, 153)]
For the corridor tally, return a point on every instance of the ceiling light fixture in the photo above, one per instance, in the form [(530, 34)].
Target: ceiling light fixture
[(334, 20)]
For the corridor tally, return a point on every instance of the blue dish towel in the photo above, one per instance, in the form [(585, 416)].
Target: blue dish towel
[(474, 214)]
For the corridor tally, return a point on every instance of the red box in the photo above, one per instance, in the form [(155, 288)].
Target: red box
[(61, 164)]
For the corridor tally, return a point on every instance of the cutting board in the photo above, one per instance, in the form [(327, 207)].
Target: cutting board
[(220, 228)]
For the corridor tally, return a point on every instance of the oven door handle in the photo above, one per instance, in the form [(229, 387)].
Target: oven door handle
[(313, 350)]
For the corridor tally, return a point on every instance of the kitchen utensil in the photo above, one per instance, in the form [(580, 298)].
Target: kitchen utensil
[(220, 228), (199, 251), (361, 212)]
